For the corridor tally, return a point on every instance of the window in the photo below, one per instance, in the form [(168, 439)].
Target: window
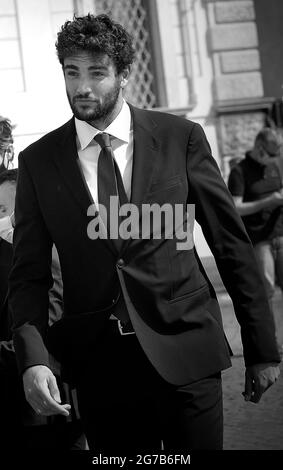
[(11, 70), (138, 17)]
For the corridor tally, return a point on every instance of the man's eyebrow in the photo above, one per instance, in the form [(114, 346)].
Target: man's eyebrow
[(2, 206), (98, 67), (70, 66), (91, 67)]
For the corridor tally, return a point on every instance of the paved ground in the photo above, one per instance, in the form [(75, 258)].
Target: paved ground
[(248, 426)]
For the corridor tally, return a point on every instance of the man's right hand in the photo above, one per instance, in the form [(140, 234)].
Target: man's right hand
[(42, 392)]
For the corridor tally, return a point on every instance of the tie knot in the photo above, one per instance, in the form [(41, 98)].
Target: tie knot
[(103, 140)]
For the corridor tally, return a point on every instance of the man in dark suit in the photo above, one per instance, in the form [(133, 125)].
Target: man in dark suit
[(142, 335)]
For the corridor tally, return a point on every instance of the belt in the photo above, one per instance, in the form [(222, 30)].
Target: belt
[(121, 316), (123, 328)]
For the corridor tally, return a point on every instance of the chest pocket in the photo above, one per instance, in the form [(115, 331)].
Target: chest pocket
[(166, 184), (171, 191)]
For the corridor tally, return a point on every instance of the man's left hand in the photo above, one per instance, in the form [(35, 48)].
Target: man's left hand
[(259, 378)]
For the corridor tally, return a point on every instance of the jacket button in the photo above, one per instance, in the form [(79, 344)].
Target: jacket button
[(120, 263)]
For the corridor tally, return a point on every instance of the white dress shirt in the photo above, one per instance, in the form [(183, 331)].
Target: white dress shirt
[(122, 144)]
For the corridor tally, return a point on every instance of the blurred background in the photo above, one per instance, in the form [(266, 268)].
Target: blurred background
[(218, 63)]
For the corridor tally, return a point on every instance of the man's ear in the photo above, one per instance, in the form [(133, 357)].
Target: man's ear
[(125, 76)]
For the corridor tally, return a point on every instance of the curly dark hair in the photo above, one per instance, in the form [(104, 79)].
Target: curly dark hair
[(98, 34)]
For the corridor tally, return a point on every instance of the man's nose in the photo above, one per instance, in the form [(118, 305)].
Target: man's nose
[(84, 88)]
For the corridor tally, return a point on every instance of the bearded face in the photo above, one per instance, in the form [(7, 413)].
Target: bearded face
[(93, 86)]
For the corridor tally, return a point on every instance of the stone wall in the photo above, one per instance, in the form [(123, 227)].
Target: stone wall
[(233, 43), (236, 135), (237, 86)]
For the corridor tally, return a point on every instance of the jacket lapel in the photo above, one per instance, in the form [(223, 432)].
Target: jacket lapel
[(145, 153), (67, 163)]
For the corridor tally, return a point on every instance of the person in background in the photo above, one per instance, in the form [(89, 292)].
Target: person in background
[(256, 184), (6, 143), (21, 427)]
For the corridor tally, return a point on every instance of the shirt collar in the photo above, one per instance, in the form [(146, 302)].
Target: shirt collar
[(119, 128)]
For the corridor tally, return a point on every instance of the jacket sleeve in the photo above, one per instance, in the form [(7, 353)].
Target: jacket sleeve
[(236, 183), (234, 255), (30, 277)]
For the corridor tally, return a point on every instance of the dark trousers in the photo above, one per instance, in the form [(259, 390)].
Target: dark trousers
[(126, 406)]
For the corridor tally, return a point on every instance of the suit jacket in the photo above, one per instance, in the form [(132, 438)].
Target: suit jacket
[(171, 303), (6, 253), (7, 356)]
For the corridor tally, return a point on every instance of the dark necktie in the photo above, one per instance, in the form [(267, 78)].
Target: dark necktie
[(109, 180), (110, 183)]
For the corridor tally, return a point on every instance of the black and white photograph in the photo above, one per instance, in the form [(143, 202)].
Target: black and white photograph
[(141, 231)]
